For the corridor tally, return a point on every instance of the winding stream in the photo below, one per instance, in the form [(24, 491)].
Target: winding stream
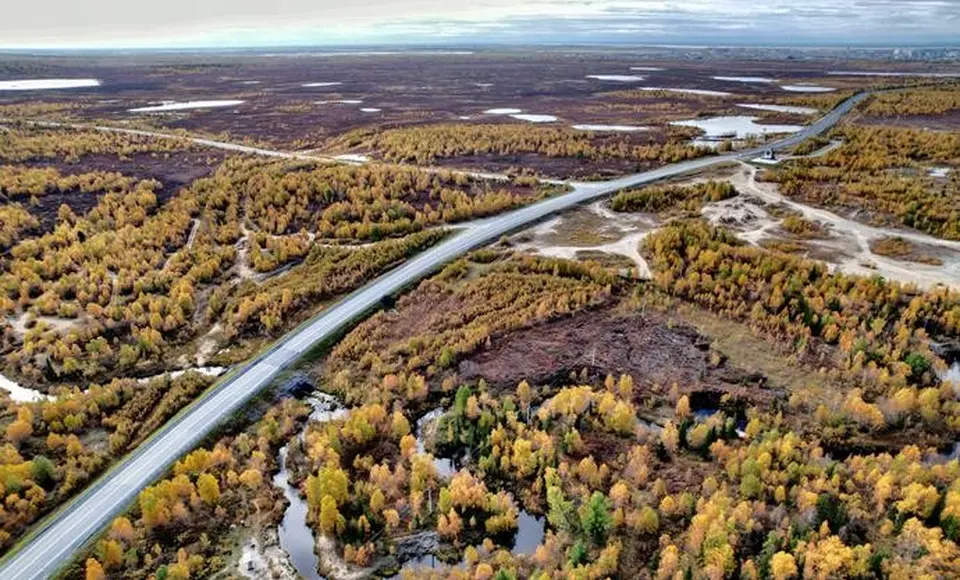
[(531, 529), (296, 537), (298, 541), (444, 465), (952, 374)]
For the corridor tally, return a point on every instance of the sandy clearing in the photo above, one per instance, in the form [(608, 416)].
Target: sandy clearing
[(332, 565), (851, 240), (596, 228), (208, 344), (265, 560), (19, 323), (207, 371), (244, 271), (21, 394), (352, 158), (617, 233), (627, 246)]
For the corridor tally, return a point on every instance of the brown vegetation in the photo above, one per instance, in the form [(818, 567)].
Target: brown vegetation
[(901, 249), (510, 143), (179, 526), (925, 101)]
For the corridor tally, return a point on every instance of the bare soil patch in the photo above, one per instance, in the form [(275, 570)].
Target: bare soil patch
[(657, 352)]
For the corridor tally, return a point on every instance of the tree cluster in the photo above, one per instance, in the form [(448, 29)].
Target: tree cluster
[(914, 102), (49, 450), (457, 315), (178, 526), (881, 329), (882, 171), (29, 142), (428, 143), (661, 198)]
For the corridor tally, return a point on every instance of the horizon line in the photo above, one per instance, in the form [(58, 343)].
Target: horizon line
[(401, 46)]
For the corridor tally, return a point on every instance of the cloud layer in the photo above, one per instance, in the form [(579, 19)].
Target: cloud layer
[(211, 23)]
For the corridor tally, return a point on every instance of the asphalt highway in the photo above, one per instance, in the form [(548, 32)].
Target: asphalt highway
[(58, 537)]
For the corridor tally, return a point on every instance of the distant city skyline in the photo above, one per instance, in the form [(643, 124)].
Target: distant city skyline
[(103, 24)]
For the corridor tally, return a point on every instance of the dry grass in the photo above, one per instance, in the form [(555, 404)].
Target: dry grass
[(901, 249), (803, 228), (753, 353), (785, 246)]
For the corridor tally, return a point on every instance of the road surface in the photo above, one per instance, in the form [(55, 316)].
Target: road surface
[(57, 538)]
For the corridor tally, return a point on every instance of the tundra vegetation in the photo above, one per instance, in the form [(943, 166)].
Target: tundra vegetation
[(744, 413), (811, 476), (882, 173), (107, 277)]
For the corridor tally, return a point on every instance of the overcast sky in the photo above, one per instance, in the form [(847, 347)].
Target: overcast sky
[(213, 23)]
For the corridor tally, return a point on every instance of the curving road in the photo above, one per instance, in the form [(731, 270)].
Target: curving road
[(56, 539)]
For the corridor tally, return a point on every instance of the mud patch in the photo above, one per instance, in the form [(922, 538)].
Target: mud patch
[(646, 345), (261, 557)]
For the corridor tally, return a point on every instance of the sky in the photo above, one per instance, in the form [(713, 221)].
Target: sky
[(31, 24)]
